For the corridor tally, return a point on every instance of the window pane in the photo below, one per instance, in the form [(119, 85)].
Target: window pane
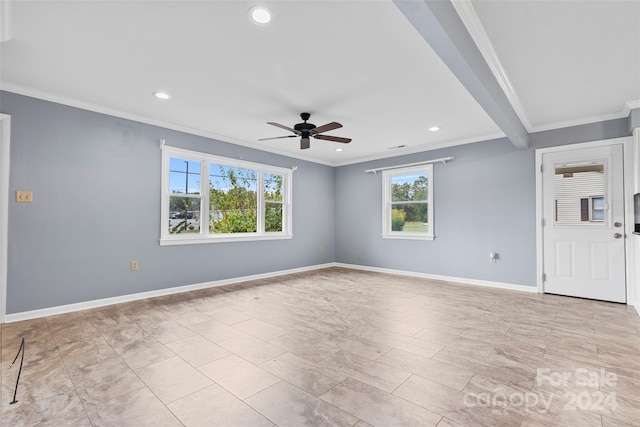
[(597, 209), (410, 217), (233, 199), (413, 187), (184, 215), (574, 189), (273, 187), (184, 176), (273, 217)]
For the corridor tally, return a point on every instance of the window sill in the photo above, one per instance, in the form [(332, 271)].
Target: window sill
[(221, 239), (408, 236)]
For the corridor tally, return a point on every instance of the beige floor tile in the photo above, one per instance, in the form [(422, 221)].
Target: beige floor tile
[(368, 371), (305, 375), (197, 351), (361, 346), (166, 331), (521, 376), (71, 327), (432, 369), (214, 405), (104, 381), (460, 342), (139, 408), (378, 408), (287, 405), (259, 329), (251, 349), (409, 344), (53, 413), (45, 396), (452, 404), (238, 376), (227, 315), (538, 406), (612, 422), (80, 354), (172, 379), (215, 331), (305, 345), (340, 328), (444, 422), (137, 348)]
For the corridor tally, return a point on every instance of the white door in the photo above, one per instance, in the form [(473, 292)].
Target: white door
[(583, 223)]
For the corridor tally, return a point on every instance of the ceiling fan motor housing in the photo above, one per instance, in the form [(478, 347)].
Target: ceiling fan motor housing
[(304, 127), (307, 130)]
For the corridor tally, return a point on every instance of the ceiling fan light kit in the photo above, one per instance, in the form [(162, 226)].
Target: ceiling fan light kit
[(306, 131)]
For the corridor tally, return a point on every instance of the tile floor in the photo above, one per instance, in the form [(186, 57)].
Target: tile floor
[(333, 347)]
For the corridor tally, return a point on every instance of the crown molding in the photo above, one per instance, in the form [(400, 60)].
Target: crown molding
[(471, 21), (72, 102), (581, 121), (421, 149)]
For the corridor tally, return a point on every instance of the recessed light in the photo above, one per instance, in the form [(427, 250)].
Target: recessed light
[(161, 95), (434, 128), (260, 15), (339, 149)]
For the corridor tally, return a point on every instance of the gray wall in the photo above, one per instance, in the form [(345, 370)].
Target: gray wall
[(96, 187), (483, 199), (484, 202), (96, 206)]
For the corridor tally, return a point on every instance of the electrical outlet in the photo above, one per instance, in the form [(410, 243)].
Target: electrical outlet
[(24, 196), (134, 265)]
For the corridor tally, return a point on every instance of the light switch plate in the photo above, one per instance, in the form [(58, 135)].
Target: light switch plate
[(24, 196)]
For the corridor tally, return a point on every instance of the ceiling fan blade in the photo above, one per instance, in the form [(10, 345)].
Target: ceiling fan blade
[(333, 138), (305, 143), (327, 127), (277, 137), (282, 127)]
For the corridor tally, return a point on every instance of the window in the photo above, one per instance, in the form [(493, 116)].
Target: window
[(597, 208), (408, 203), (206, 199)]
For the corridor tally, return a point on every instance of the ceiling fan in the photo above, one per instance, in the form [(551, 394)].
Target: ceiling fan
[(308, 130)]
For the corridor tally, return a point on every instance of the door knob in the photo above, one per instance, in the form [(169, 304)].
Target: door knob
[(617, 224), (617, 235)]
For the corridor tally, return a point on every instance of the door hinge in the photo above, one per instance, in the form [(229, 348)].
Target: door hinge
[(541, 168), (542, 222), (544, 277)]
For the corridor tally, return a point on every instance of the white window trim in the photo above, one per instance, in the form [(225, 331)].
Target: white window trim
[(387, 233), (167, 239)]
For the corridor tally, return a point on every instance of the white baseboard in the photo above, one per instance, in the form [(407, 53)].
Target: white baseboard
[(61, 309), (459, 280), (52, 311)]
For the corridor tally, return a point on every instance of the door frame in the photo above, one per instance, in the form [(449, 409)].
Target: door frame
[(627, 177), (5, 152)]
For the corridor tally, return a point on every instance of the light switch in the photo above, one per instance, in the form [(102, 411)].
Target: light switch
[(24, 196)]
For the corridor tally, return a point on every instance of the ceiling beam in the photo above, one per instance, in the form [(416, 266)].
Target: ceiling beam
[(440, 25)]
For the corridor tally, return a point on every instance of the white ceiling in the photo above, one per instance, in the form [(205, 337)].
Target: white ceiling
[(360, 63)]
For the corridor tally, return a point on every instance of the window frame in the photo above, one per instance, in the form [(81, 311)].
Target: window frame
[(205, 236), (387, 175)]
